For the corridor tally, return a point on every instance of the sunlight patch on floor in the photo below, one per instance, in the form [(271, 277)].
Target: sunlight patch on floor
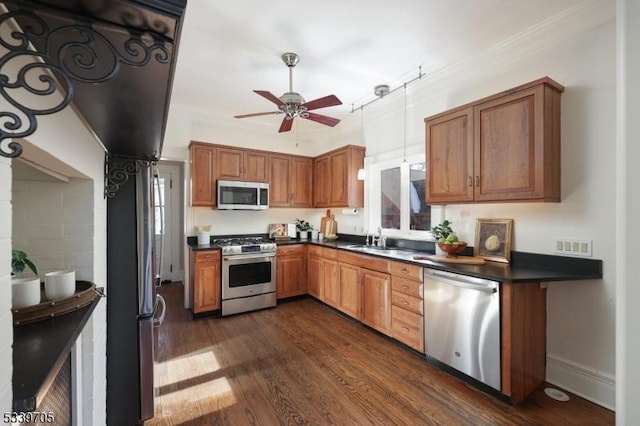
[(187, 367)]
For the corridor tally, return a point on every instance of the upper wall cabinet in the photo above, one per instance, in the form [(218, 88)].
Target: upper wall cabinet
[(502, 148), (290, 181), (336, 183), (203, 159), (241, 164)]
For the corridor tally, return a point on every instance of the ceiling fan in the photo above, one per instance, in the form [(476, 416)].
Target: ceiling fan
[(292, 104)]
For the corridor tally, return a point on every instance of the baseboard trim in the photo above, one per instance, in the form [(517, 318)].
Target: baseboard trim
[(593, 385)]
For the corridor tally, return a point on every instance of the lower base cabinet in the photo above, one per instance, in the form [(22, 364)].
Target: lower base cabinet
[(291, 271), (205, 281), (376, 300)]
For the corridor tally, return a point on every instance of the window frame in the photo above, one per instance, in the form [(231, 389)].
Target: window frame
[(374, 199)]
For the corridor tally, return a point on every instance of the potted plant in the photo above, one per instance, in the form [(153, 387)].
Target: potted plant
[(442, 230), (304, 228), (24, 291)]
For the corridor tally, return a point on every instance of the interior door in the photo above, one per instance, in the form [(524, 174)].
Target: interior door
[(165, 219)]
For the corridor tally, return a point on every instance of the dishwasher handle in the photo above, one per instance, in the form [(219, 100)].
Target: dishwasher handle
[(479, 284)]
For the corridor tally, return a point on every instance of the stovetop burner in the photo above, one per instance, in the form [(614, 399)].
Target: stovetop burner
[(242, 245)]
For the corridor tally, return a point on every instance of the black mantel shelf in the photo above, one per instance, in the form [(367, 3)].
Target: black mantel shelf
[(39, 351)]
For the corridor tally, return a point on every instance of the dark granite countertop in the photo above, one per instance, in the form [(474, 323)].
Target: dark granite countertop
[(523, 268), (39, 351)]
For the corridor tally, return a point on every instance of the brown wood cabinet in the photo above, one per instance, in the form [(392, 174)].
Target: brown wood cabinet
[(376, 300), (350, 290), (205, 280), (291, 271), (502, 148), (323, 275), (336, 183), (291, 181), (407, 306), (203, 159), (242, 164), (523, 339)]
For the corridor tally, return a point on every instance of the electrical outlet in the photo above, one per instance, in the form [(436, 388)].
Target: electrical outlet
[(573, 247)]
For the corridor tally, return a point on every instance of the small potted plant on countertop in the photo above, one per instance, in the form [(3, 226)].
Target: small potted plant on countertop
[(304, 228), (447, 240), (24, 291)]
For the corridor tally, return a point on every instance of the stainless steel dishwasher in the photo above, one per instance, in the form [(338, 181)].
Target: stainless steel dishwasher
[(462, 324)]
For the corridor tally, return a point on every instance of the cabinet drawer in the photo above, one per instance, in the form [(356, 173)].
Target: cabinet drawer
[(407, 302), (207, 256), (408, 328), (314, 250), (289, 250), (406, 286), (373, 263), (329, 253), (406, 270)]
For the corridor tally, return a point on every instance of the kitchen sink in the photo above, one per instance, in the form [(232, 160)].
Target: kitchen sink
[(387, 251)]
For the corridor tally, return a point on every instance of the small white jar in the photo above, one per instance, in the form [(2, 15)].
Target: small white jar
[(59, 284), (25, 292)]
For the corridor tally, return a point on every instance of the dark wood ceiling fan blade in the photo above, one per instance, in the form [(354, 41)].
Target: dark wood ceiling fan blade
[(327, 101), (323, 119), (268, 95), (286, 125), (257, 114)]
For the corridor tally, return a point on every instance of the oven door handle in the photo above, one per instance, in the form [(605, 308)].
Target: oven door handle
[(246, 256)]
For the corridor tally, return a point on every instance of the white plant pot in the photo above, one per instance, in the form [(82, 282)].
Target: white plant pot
[(25, 292), (59, 284), (304, 235)]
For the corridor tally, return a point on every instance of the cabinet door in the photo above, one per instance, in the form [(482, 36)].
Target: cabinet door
[(376, 300), (338, 178), (315, 277), (203, 160), (331, 283), (509, 151), (350, 290), (291, 279), (449, 149), (230, 163), (206, 287), (322, 182), (256, 166), (279, 181), (301, 182)]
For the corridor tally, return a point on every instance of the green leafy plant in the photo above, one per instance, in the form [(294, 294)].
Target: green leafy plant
[(303, 225), (19, 261), (442, 231)]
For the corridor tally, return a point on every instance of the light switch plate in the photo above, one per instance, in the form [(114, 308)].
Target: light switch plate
[(573, 247)]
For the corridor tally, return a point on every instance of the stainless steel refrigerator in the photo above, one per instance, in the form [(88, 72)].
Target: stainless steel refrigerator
[(133, 306)]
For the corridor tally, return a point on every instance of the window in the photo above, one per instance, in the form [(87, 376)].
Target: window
[(398, 198)]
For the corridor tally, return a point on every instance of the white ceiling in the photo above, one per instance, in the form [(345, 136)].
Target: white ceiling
[(346, 47)]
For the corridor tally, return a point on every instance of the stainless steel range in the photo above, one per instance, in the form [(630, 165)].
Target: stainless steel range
[(248, 274)]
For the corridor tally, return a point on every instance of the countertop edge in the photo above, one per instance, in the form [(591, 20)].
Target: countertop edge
[(35, 396)]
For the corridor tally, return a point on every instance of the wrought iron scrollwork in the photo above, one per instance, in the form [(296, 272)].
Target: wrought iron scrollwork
[(68, 53), (118, 170)]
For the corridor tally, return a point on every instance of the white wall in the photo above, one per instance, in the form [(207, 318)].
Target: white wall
[(627, 211)]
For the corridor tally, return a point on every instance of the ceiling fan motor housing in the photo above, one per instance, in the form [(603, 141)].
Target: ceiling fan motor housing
[(292, 105)]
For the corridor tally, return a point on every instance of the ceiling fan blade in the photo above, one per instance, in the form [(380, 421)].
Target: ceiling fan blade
[(327, 101), (286, 125), (268, 95), (323, 119), (257, 114)]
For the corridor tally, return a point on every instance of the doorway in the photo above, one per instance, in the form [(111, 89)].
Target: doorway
[(168, 219)]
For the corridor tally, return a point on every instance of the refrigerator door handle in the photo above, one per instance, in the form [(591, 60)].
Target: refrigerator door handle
[(157, 321)]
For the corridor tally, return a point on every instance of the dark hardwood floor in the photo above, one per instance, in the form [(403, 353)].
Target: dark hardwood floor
[(303, 363)]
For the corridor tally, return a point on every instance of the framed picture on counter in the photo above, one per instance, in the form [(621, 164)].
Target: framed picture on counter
[(493, 239)]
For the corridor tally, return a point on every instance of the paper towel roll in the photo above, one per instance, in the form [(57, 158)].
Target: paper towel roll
[(349, 211)]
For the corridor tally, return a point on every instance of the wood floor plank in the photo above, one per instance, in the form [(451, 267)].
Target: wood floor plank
[(302, 363)]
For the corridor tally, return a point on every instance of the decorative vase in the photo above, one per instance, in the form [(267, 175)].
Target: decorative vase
[(59, 284), (25, 292)]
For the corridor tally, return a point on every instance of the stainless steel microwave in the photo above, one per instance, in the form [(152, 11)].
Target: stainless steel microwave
[(238, 195)]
